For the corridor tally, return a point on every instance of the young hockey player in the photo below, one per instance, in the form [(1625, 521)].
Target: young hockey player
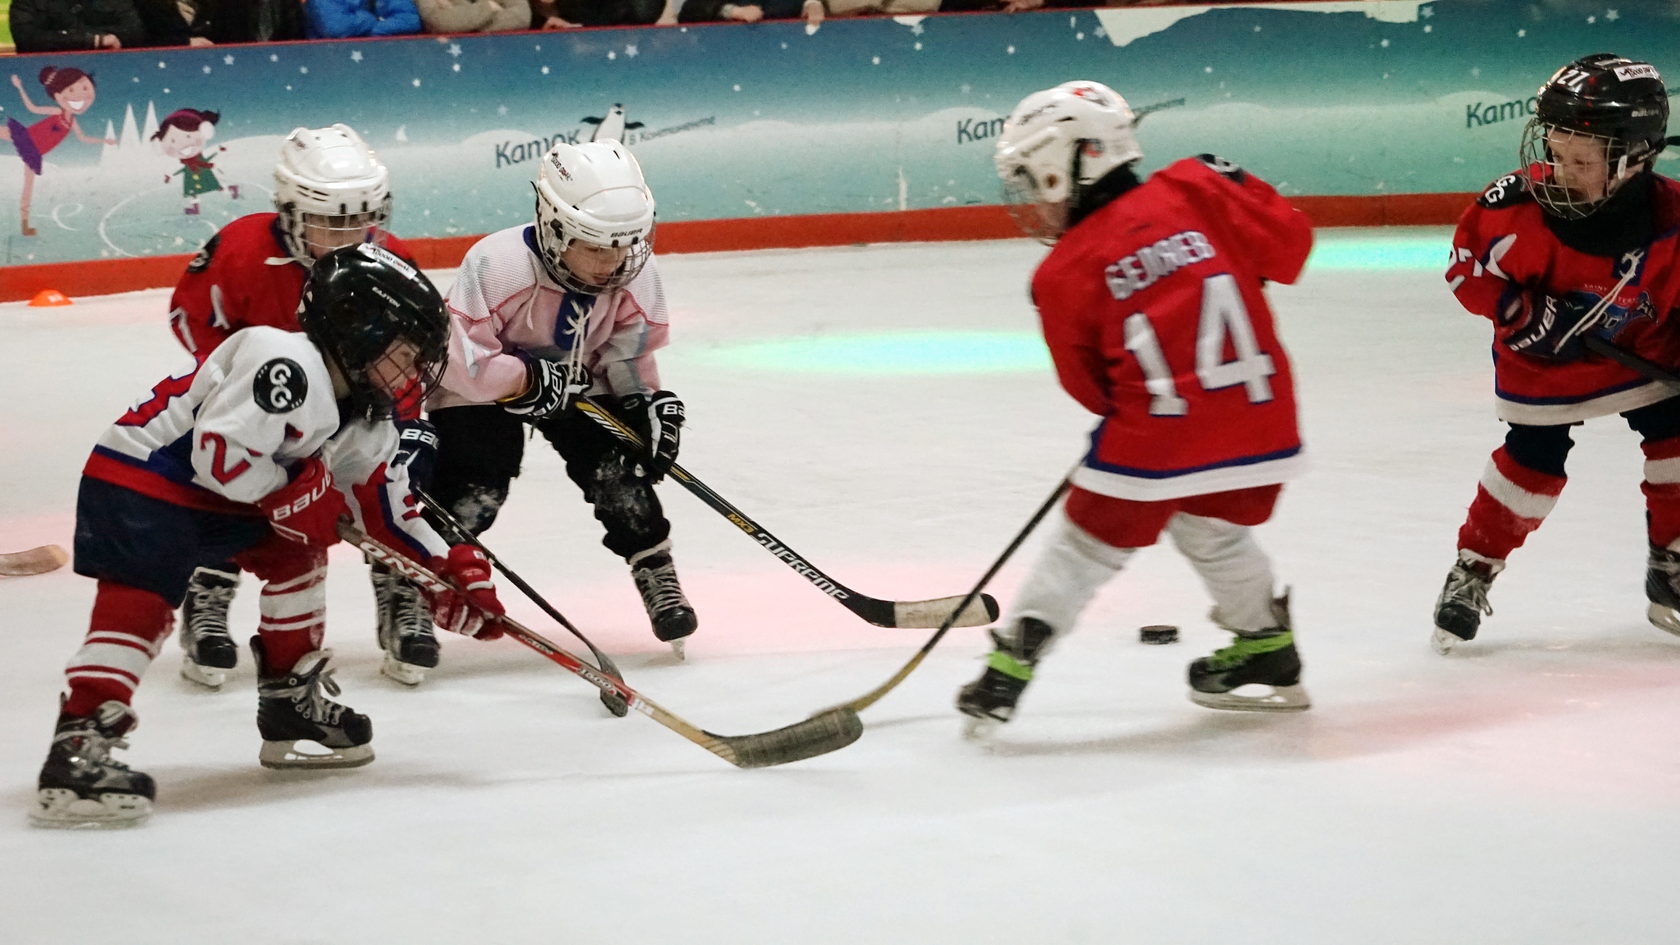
[(543, 313), (330, 191), (1583, 239), (255, 455), (1152, 306)]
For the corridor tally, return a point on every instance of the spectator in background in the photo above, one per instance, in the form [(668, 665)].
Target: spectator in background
[(342, 19), (811, 11), (57, 26), (176, 22), (474, 16), (570, 14), (254, 21)]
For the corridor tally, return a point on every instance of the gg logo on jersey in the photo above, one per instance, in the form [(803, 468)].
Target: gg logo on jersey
[(280, 386)]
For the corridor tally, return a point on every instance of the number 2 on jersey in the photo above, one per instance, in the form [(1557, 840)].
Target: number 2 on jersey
[(1224, 318)]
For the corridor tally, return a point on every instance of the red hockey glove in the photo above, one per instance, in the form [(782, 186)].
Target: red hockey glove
[(307, 509), (473, 610)]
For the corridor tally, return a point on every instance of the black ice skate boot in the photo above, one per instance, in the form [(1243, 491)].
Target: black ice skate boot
[(405, 627), (990, 700), (1662, 589), (1257, 657), (1463, 601), (292, 708), (209, 651), (667, 609), (80, 786)]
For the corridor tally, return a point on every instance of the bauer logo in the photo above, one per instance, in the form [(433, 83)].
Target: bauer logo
[(280, 386)]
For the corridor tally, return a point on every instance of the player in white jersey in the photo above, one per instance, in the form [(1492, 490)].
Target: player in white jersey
[(255, 454), (541, 313)]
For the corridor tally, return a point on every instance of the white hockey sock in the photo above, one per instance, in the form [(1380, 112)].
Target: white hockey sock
[(1071, 567), (1230, 563)]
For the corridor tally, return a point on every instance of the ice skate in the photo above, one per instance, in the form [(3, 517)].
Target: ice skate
[(292, 708), (667, 609), (990, 700), (208, 650), (1662, 574), (1463, 601), (406, 634), (1256, 658), (80, 786)]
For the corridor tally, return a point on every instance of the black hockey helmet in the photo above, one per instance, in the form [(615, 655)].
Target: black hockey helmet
[(1617, 101), (360, 299)]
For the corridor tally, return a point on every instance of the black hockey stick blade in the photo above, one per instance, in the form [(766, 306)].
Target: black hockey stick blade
[(915, 614), (818, 735), (1651, 369)]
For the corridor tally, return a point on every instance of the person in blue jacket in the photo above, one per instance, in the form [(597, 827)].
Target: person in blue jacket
[(339, 19)]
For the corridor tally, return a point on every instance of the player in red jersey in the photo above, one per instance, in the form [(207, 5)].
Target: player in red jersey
[(330, 191), (1583, 240), (1152, 306)]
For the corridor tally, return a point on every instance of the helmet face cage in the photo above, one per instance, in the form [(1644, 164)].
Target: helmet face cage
[(1057, 142), (330, 190), (359, 303), (593, 193), (1598, 122)]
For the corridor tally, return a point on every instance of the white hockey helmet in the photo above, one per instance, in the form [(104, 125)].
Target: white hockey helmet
[(330, 189), (1057, 142), (595, 193)]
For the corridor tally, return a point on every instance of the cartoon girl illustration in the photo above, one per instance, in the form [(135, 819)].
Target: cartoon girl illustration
[(183, 136), (73, 90)]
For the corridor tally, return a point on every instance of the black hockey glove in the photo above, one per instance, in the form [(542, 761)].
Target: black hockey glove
[(658, 417), (1550, 327), (549, 387), (417, 447)]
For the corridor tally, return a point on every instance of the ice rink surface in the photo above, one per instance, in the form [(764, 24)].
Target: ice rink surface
[(889, 412)]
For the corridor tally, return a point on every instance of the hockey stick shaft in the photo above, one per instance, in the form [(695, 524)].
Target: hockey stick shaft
[(874, 695), (614, 704), (1627, 359), (820, 734), (882, 613)]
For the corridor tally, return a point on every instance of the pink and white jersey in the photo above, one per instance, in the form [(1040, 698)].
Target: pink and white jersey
[(237, 425), (503, 301)]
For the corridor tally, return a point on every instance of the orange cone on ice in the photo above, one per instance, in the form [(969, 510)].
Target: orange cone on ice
[(47, 297)]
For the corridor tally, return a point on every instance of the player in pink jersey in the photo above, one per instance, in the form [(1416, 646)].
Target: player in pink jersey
[(1583, 240), (1152, 306)]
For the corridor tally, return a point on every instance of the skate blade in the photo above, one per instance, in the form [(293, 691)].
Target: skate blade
[(1443, 641), (62, 809), (207, 676), (1280, 699), (1663, 618), (287, 754), (406, 673), (680, 648), (980, 729)]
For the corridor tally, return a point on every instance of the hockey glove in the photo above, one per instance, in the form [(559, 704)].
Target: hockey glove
[(417, 447), (658, 417), (1550, 327), (549, 388), (307, 509), (469, 607)]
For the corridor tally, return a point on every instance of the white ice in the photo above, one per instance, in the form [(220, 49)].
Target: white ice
[(1523, 790)]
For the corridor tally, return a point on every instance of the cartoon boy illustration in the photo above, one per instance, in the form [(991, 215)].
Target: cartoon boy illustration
[(72, 90), (183, 136)]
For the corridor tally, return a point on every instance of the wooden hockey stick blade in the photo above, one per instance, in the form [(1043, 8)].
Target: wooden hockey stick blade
[(817, 735), (34, 561), (911, 614)]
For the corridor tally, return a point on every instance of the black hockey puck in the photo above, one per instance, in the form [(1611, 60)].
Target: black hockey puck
[(1158, 633)]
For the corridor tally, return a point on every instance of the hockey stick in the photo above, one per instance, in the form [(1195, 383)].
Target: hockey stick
[(1628, 359), (874, 695), (614, 704), (818, 735), (961, 612), (34, 561)]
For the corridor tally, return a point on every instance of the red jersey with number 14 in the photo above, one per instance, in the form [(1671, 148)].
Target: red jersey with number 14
[(1155, 317)]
